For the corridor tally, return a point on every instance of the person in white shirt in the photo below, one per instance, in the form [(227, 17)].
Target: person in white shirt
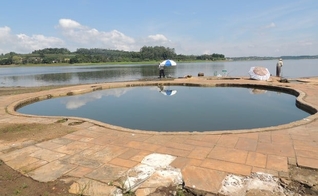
[(279, 66)]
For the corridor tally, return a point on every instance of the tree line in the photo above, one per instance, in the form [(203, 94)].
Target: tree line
[(98, 55)]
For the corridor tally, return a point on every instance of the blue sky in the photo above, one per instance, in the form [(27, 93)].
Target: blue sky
[(229, 27)]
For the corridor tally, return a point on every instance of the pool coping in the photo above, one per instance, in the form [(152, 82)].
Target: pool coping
[(239, 82)]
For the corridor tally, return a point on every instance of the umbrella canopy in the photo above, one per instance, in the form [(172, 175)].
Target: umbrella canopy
[(168, 63), (168, 92), (259, 73)]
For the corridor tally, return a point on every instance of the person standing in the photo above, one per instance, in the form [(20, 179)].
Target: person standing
[(279, 66), (161, 71)]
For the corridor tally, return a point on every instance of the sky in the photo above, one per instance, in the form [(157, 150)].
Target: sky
[(192, 27)]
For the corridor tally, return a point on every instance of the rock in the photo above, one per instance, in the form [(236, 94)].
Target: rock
[(258, 184), (153, 172)]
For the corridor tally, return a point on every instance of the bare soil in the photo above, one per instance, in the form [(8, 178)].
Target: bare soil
[(13, 182)]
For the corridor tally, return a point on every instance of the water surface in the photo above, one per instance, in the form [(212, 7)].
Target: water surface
[(64, 75), (189, 109)]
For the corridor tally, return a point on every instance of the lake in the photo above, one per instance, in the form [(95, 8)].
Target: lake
[(70, 74)]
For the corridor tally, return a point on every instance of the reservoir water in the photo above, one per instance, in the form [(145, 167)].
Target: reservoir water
[(65, 75)]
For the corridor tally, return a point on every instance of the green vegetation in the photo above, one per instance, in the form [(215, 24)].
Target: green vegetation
[(98, 55)]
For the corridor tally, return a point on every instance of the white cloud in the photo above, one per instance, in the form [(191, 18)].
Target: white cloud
[(69, 24), (90, 37), (158, 37), (77, 102), (22, 43), (271, 25), (4, 32)]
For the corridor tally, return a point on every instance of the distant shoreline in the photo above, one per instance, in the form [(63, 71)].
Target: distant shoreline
[(156, 62)]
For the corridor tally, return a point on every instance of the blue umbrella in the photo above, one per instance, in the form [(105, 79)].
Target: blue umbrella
[(168, 63), (169, 92)]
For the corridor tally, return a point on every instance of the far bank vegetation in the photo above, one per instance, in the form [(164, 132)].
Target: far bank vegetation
[(98, 55)]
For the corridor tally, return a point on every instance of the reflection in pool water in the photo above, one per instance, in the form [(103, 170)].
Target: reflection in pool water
[(188, 109)]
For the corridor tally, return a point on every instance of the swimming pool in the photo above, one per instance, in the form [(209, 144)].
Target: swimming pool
[(177, 108)]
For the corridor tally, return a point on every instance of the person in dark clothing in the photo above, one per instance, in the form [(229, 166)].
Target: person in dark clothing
[(161, 71)]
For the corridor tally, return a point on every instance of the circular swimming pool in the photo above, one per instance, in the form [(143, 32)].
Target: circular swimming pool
[(177, 108)]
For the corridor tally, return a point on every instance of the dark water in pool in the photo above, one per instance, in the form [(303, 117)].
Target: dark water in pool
[(189, 109)]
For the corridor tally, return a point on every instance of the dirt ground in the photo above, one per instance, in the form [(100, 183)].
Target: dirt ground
[(13, 182), (301, 181)]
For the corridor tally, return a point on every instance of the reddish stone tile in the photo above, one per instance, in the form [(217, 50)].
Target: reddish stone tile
[(62, 141), (82, 160), (263, 170), (33, 166), (199, 153), (129, 154), (180, 138), (92, 150), (80, 171), (143, 146), (199, 143), (121, 141), (227, 140), (86, 139), (179, 146), (181, 162), (104, 140), (136, 137), (73, 136), (281, 138), (225, 166), (88, 133), (292, 161), (206, 138), (108, 153), (160, 139), (203, 179), (123, 162), (74, 147), (276, 149), (248, 135), (256, 159), (264, 137), (47, 155), (307, 162), (306, 137), (49, 145), (308, 143), (307, 154), (107, 173), (228, 154), (173, 151), (246, 144), (306, 148), (278, 163), (140, 156)]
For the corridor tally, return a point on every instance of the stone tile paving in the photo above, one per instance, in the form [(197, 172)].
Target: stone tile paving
[(99, 153)]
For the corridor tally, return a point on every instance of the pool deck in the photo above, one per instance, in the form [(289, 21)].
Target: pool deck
[(98, 154)]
